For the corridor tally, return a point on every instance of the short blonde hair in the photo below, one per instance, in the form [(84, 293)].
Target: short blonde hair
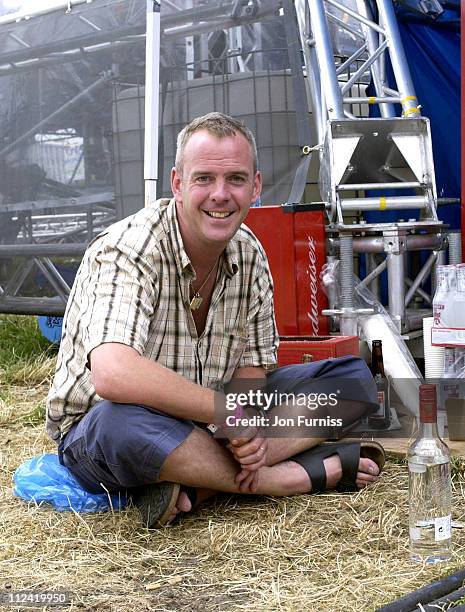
[(219, 125)]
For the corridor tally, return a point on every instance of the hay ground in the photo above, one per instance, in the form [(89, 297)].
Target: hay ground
[(328, 552)]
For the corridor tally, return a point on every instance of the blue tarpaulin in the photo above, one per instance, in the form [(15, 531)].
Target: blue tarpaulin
[(432, 47), (433, 53)]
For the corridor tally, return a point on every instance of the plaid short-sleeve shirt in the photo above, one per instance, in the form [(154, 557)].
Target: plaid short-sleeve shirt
[(133, 288)]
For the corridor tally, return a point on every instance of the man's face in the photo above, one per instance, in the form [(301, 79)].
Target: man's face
[(216, 188)]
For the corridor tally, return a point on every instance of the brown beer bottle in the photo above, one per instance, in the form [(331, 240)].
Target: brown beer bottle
[(381, 419)]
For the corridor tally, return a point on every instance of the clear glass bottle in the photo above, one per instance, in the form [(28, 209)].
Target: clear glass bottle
[(429, 487), (381, 419)]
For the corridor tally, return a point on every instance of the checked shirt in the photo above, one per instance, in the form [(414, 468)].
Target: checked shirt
[(133, 288)]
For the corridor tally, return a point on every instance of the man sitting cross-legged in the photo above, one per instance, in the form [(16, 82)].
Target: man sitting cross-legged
[(168, 307)]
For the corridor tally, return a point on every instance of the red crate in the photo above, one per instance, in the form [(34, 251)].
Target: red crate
[(295, 244), (297, 349)]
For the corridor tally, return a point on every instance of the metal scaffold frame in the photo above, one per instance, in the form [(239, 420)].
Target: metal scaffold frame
[(79, 216), (390, 155), (366, 164)]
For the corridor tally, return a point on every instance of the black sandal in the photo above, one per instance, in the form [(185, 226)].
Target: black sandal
[(349, 451), (156, 502)]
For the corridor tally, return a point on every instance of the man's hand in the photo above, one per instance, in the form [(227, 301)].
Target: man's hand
[(248, 447), (251, 453)]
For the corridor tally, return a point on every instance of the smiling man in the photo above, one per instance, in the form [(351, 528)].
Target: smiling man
[(168, 307)]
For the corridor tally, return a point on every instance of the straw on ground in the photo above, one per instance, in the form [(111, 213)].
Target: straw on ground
[(327, 552)]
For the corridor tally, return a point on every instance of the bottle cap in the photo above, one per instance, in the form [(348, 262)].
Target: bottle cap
[(428, 404)]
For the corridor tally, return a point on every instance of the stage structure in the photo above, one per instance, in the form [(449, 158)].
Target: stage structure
[(72, 118), (372, 164), (302, 75)]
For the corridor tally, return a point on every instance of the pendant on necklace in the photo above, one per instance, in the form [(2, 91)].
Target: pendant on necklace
[(196, 301)]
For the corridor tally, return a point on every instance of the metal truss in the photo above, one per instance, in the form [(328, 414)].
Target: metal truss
[(41, 229), (345, 134), (41, 240), (370, 164), (25, 51)]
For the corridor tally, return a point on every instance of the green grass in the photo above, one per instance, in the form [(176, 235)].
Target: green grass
[(26, 357), (36, 416), (4, 395), (20, 339)]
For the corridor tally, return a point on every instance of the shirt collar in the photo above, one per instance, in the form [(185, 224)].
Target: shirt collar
[(183, 263), (181, 258)]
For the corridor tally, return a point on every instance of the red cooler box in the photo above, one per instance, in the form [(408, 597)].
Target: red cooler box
[(301, 349), (295, 244)]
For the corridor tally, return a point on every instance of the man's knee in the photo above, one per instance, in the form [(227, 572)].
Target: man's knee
[(354, 367), (323, 373), (133, 437), (109, 425)]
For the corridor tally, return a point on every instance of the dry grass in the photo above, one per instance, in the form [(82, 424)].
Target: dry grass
[(34, 372), (328, 552)]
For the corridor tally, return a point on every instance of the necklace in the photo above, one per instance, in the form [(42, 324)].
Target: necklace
[(197, 300)]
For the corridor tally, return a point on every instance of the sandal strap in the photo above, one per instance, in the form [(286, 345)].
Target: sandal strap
[(349, 454), (315, 468), (312, 462)]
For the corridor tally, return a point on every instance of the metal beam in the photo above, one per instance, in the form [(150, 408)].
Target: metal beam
[(106, 77), (55, 203), (420, 277), (67, 44), (42, 250), (32, 306), (71, 55), (222, 10), (152, 97), (36, 12)]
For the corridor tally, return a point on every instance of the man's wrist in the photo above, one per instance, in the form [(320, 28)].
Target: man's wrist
[(243, 420)]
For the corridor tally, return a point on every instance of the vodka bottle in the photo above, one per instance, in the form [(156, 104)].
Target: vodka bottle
[(429, 487), (381, 419)]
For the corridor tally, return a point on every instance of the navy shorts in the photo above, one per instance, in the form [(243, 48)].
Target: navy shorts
[(118, 446)]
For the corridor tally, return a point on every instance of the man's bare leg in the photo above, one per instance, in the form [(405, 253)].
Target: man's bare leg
[(202, 463)]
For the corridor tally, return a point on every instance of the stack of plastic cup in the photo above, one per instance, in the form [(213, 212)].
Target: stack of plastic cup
[(434, 355)]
